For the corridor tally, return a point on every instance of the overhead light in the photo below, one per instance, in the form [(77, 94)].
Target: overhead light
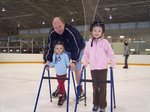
[(71, 12), (147, 49), (108, 37), (110, 16), (3, 9), (132, 49), (107, 9), (129, 39), (43, 22), (18, 25), (110, 9), (17, 50), (122, 36), (72, 20)]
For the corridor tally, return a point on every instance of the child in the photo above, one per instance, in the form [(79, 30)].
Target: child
[(97, 52), (60, 62)]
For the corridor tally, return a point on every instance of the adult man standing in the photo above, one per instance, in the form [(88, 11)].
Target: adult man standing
[(73, 43)]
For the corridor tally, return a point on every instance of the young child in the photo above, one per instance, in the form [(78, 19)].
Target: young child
[(60, 62), (99, 53)]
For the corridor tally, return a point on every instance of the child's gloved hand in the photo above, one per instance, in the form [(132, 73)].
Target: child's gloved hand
[(84, 65), (47, 65), (111, 67)]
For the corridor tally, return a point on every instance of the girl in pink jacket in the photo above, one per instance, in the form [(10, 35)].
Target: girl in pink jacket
[(99, 54)]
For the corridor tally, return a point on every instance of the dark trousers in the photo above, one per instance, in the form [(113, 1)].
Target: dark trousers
[(61, 84), (99, 89), (126, 60)]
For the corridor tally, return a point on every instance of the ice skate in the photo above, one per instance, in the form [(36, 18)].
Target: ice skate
[(61, 99), (95, 108), (102, 110), (55, 93)]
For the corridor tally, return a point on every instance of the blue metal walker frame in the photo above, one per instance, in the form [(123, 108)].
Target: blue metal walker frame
[(49, 77), (112, 89)]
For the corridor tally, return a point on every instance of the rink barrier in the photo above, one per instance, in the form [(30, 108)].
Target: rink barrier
[(17, 58), (130, 64), (112, 89), (49, 77)]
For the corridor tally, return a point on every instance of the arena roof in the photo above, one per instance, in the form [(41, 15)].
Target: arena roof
[(31, 14)]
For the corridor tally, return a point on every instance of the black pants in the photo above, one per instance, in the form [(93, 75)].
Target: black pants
[(99, 89), (126, 60)]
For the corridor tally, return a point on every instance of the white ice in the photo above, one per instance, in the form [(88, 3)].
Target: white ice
[(19, 85)]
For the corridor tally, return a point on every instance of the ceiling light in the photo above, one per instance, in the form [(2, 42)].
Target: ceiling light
[(71, 12), (3, 10), (122, 36), (18, 25), (72, 20), (107, 9), (147, 49), (110, 9), (132, 49), (110, 17), (43, 22), (108, 37)]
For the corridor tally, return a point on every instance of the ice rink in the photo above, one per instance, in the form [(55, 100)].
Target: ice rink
[(19, 85)]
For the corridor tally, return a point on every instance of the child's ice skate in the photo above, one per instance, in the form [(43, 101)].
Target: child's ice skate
[(95, 108), (61, 99), (102, 110), (56, 92)]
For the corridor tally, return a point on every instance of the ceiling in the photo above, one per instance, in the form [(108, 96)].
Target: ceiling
[(30, 14)]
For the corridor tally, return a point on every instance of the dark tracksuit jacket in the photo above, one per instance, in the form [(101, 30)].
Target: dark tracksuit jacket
[(72, 39)]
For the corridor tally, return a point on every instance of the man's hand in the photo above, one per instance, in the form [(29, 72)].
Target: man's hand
[(72, 66)]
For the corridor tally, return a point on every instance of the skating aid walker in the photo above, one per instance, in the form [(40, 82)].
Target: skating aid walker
[(112, 89), (49, 78)]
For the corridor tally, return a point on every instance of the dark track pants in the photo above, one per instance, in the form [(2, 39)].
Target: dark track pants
[(99, 89)]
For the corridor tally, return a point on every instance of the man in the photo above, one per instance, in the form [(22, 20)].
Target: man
[(73, 43)]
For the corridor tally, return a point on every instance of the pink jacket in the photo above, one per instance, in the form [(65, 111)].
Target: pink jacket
[(99, 55)]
